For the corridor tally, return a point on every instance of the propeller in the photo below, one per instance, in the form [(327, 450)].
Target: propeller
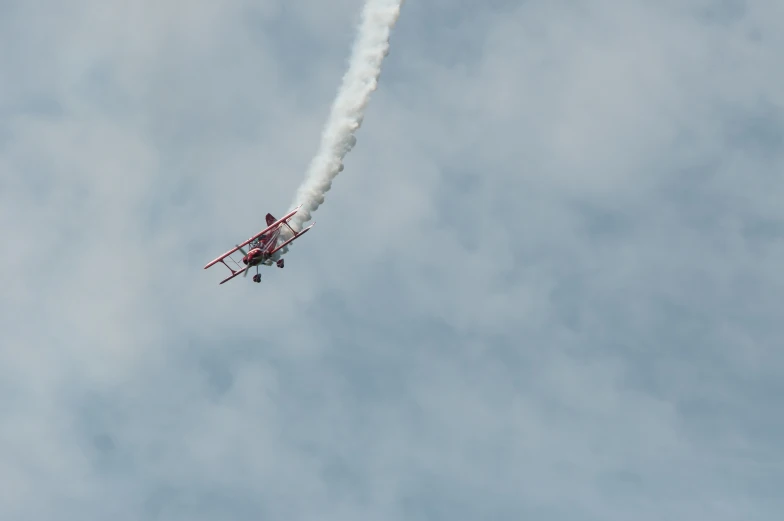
[(244, 254)]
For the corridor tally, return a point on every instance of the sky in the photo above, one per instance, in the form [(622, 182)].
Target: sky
[(547, 284)]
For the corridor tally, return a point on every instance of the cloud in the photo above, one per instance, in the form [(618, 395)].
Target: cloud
[(546, 285)]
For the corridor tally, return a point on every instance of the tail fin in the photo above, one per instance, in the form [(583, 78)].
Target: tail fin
[(270, 219)]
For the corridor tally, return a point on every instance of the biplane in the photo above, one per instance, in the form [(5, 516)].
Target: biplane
[(263, 248)]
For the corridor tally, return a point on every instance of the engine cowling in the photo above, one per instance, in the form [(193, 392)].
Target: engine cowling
[(251, 256)]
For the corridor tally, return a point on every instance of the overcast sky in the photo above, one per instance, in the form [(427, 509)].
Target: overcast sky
[(548, 284)]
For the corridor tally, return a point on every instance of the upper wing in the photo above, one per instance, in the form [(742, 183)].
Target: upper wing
[(270, 226)]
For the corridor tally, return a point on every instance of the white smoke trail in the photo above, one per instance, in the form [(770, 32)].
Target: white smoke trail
[(361, 79)]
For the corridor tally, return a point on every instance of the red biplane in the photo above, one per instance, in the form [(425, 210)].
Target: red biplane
[(264, 248)]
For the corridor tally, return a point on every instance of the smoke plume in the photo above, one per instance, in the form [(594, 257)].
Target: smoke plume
[(361, 79)]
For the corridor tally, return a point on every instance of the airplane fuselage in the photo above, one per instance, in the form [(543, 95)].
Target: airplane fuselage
[(261, 254), (255, 257)]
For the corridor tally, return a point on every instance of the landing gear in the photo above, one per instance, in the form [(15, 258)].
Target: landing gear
[(280, 263), (257, 277)]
